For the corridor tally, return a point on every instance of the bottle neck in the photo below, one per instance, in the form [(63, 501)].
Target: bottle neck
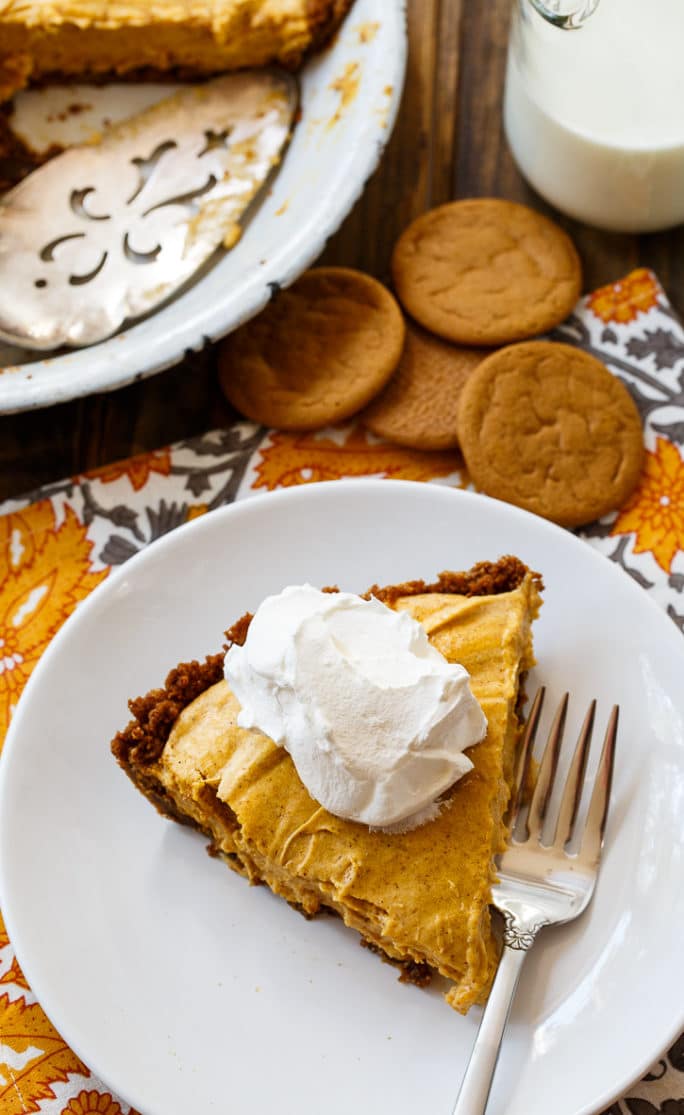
[(569, 15)]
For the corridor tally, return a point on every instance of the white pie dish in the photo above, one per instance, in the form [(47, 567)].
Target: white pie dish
[(335, 147)]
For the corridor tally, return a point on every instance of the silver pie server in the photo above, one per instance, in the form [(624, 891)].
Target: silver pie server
[(104, 232)]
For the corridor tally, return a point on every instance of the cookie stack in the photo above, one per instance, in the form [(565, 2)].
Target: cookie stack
[(541, 425)]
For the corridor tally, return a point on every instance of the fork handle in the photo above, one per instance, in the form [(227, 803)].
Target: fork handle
[(477, 1082)]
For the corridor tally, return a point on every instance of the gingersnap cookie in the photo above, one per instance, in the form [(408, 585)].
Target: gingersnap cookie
[(319, 352), (486, 272), (419, 406), (549, 428)]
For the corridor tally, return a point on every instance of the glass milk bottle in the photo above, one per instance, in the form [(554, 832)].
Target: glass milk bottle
[(594, 108)]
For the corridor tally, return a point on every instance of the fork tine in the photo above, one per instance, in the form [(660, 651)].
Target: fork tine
[(567, 814), (592, 840), (523, 764), (547, 773)]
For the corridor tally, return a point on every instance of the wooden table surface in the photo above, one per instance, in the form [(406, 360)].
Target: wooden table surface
[(447, 143)]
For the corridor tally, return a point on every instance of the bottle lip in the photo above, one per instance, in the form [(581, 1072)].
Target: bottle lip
[(567, 16)]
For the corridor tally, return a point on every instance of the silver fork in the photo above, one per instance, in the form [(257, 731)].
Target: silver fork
[(540, 884)]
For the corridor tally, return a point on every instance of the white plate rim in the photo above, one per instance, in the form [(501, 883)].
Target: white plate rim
[(258, 506), (124, 359)]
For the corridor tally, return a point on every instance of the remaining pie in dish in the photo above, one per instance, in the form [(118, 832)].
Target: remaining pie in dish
[(48, 39), (420, 897)]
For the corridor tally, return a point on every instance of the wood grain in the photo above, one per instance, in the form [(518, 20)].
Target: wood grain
[(448, 142)]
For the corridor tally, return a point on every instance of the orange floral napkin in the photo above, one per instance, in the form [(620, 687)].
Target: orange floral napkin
[(59, 543)]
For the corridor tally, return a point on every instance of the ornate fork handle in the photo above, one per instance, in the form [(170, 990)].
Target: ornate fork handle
[(518, 938)]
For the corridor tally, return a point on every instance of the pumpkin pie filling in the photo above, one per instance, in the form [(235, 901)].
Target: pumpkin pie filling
[(420, 897), (43, 40)]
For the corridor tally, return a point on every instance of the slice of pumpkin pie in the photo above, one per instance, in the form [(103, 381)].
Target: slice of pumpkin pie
[(88, 39), (381, 794)]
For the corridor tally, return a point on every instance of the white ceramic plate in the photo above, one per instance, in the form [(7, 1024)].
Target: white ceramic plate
[(185, 989), (323, 173)]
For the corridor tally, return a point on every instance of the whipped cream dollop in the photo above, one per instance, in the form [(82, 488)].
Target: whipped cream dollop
[(374, 717)]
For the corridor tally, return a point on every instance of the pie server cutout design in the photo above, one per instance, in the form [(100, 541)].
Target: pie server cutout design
[(104, 233)]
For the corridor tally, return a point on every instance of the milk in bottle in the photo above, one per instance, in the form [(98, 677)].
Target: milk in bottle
[(595, 116)]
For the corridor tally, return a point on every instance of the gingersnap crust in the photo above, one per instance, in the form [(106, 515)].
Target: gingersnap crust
[(318, 353), (485, 271), (547, 427)]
